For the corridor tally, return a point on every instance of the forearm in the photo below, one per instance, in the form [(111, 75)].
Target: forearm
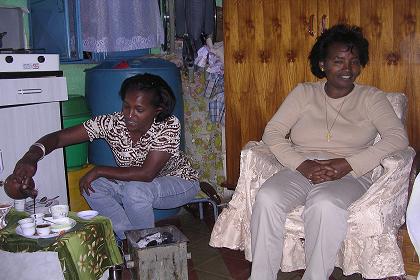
[(125, 173), (393, 138), (44, 146), (371, 157), (283, 151)]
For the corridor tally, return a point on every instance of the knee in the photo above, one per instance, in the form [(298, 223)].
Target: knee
[(100, 189), (267, 201), (137, 191), (325, 205)]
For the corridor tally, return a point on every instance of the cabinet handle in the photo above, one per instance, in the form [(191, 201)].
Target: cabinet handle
[(29, 91), (1, 167), (311, 25), (392, 58), (1, 162), (323, 23)]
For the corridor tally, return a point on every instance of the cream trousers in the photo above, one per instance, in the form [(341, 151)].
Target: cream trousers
[(325, 221)]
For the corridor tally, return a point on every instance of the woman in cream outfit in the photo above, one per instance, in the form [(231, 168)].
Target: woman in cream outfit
[(328, 158)]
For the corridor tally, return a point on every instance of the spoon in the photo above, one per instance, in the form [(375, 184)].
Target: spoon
[(48, 204), (49, 221), (45, 200), (41, 201), (51, 200)]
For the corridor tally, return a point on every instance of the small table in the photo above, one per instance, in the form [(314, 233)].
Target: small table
[(85, 252)]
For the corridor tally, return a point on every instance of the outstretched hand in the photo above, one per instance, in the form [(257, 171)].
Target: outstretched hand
[(20, 183), (319, 171), (24, 170)]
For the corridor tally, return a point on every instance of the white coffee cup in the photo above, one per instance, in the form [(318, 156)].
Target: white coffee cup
[(28, 229), (43, 229), (20, 204), (38, 218), (25, 221), (59, 211)]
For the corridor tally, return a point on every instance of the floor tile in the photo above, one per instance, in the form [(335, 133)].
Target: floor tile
[(202, 252), (237, 267), (215, 265), (203, 275)]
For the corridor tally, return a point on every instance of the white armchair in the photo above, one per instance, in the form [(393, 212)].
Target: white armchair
[(370, 247)]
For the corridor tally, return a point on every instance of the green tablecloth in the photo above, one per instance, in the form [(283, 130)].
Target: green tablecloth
[(85, 252)]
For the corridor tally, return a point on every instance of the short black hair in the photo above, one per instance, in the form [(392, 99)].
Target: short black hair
[(350, 35), (163, 95)]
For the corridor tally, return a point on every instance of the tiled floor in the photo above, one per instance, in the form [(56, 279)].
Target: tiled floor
[(209, 263)]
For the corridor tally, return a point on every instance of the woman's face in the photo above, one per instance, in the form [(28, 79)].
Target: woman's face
[(341, 66), (138, 111)]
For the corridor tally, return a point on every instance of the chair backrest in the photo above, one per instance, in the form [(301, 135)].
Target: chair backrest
[(399, 104)]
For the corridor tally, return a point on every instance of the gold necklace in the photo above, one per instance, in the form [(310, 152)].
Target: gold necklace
[(328, 134)]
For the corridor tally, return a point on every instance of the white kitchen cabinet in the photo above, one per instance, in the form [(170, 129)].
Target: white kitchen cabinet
[(21, 126)]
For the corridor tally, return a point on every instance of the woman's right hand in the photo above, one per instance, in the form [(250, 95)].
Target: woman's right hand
[(315, 172), (25, 169), (20, 183)]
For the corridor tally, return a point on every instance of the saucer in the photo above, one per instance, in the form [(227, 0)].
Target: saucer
[(68, 223), (36, 236), (87, 215), (61, 224)]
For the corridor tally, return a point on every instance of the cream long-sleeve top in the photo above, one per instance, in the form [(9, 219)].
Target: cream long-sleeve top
[(364, 113)]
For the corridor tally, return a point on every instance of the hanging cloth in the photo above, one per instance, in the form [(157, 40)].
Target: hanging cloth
[(194, 18), (115, 25)]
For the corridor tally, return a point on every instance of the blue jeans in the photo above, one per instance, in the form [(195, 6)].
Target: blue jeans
[(130, 205)]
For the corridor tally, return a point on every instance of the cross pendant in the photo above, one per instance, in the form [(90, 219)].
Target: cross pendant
[(328, 136)]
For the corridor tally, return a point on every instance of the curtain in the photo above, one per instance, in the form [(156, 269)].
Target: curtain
[(115, 25)]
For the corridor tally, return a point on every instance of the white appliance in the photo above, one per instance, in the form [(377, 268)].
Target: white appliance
[(27, 62), (29, 109)]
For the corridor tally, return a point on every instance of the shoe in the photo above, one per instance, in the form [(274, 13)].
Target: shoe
[(210, 192)]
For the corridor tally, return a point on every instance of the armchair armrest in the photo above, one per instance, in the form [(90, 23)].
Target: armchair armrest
[(257, 165), (381, 209)]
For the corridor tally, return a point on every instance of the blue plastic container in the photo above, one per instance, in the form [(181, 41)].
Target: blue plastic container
[(103, 83)]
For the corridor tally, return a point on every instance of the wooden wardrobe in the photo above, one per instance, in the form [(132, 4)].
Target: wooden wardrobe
[(267, 43)]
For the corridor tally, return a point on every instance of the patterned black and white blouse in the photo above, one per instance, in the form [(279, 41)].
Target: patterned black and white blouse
[(162, 136)]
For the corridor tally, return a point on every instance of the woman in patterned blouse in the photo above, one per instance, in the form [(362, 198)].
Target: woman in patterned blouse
[(144, 137)]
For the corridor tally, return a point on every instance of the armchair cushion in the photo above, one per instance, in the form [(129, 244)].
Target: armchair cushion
[(370, 247)]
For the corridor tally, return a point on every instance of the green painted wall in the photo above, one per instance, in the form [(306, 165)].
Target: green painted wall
[(75, 76)]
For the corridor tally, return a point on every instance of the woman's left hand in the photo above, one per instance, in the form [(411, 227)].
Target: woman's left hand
[(340, 165), (87, 179)]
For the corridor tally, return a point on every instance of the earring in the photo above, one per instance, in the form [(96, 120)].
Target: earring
[(322, 69)]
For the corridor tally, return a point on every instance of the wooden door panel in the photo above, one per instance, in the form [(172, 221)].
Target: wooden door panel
[(412, 26), (339, 11), (377, 24), (266, 49)]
